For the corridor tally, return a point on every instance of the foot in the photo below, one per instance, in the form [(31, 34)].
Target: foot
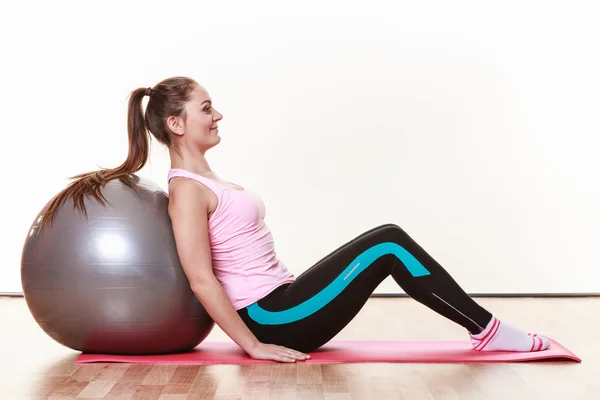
[(499, 336)]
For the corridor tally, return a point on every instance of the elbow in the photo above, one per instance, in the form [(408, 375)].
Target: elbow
[(203, 285)]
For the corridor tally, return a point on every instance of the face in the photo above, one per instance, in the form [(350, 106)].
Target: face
[(200, 128)]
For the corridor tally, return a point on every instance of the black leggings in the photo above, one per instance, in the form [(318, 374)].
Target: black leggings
[(306, 314)]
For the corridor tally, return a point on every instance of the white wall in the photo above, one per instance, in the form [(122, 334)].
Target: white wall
[(473, 125)]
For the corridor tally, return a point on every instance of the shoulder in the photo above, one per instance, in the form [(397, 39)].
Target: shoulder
[(186, 195)]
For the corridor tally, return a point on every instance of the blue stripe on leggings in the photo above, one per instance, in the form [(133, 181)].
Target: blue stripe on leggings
[(336, 287)]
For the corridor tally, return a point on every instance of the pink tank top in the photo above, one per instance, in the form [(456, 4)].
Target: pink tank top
[(243, 251)]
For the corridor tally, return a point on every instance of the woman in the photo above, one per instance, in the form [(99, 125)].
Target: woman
[(228, 255)]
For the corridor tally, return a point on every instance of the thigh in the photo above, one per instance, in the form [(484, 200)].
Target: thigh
[(309, 312)]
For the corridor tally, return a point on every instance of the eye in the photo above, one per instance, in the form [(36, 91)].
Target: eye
[(207, 109)]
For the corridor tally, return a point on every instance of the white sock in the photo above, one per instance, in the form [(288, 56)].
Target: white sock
[(499, 336)]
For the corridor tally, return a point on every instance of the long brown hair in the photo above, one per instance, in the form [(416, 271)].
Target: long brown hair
[(167, 98)]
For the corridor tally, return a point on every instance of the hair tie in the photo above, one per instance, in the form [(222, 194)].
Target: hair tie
[(148, 91)]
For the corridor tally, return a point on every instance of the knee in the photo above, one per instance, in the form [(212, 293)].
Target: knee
[(387, 232), (393, 231), (391, 227)]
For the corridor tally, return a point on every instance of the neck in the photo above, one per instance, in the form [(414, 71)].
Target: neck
[(195, 163)]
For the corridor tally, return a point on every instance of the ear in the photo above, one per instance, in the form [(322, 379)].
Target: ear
[(175, 124)]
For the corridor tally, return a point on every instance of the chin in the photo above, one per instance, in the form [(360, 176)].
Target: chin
[(212, 144)]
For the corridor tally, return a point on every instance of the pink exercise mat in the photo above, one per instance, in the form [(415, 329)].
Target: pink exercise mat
[(348, 351)]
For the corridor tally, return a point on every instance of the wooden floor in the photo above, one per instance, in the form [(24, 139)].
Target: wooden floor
[(33, 366)]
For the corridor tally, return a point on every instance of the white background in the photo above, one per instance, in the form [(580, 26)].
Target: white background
[(473, 125)]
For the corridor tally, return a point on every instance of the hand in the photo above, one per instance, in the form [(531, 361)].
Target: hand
[(263, 351)]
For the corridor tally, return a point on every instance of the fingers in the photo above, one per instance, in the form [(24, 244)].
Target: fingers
[(299, 356), (281, 354), (291, 353)]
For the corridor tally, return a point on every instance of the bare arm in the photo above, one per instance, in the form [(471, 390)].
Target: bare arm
[(188, 209)]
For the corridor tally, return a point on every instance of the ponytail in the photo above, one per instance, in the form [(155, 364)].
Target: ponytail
[(167, 98), (91, 183)]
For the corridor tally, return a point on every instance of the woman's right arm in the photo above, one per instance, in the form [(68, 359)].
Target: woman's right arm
[(188, 210)]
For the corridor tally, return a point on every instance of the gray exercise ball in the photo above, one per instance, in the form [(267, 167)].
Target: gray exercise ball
[(112, 282)]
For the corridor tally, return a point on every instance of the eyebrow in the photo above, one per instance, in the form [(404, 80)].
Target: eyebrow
[(206, 101)]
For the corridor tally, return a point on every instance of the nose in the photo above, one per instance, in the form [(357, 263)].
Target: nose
[(218, 116)]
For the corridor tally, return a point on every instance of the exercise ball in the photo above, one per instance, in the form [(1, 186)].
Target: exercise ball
[(112, 282)]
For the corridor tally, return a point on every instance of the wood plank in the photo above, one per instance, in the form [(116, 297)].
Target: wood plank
[(35, 366)]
